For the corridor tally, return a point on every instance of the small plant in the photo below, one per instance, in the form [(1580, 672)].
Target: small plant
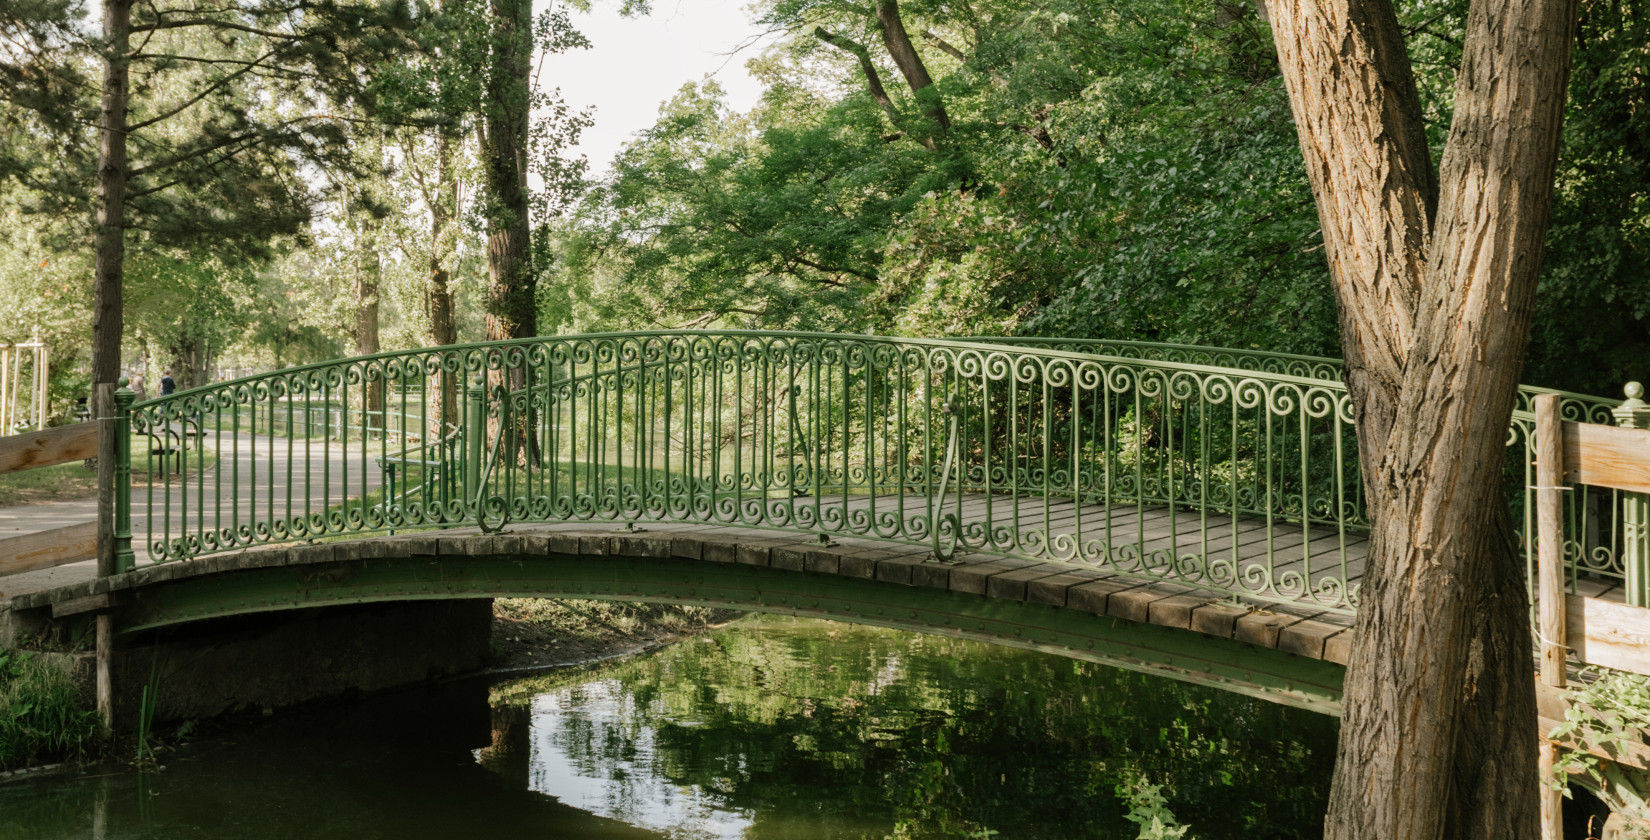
[(1610, 708), (1149, 810)]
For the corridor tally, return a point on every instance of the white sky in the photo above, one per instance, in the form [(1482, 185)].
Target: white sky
[(635, 64)]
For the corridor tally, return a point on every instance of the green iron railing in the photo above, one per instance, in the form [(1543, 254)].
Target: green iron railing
[(1239, 478)]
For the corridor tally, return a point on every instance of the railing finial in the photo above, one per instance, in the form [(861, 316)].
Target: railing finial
[(1634, 412)]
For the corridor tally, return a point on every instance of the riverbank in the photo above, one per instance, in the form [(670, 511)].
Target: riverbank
[(46, 710), (531, 633)]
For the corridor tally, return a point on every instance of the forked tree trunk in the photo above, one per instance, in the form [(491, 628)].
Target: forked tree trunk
[(910, 65), (1435, 287)]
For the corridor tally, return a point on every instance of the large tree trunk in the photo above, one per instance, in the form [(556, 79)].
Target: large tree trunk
[(438, 300), (511, 311), (1438, 736), (512, 306), (110, 248)]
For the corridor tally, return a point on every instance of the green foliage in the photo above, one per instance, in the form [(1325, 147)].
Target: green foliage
[(42, 715), (1604, 712), (1149, 810)]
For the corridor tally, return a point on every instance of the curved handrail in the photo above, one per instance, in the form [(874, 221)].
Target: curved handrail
[(1240, 479)]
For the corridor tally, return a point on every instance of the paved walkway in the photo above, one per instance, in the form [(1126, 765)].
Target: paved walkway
[(240, 479)]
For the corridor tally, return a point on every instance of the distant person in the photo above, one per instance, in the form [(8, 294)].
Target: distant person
[(137, 388), (168, 385)]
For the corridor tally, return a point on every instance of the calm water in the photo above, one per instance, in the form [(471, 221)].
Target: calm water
[(771, 728)]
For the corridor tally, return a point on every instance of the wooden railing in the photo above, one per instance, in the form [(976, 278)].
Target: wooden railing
[(55, 547), (1571, 457)]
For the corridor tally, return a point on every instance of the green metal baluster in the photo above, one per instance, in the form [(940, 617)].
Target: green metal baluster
[(1340, 505), (289, 444), (1634, 413), (1204, 468), (1306, 494), (124, 559), (1167, 398), (475, 442)]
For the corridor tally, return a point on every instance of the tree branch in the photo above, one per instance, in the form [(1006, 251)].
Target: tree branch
[(898, 42), (205, 92), (217, 24), (933, 37), (873, 80)]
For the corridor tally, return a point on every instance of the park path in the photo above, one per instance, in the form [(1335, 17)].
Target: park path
[(256, 467)]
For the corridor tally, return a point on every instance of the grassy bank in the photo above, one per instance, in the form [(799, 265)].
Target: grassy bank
[(43, 718)]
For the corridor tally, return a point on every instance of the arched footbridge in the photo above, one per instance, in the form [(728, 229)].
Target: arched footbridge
[(1192, 511)]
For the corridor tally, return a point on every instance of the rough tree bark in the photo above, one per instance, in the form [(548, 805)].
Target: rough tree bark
[(1435, 278), (510, 282), (512, 307), (108, 312), (108, 264)]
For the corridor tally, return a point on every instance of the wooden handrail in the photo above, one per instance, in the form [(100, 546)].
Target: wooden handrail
[(45, 549), (48, 447)]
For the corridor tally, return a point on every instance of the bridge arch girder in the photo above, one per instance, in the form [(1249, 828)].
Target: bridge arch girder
[(262, 582)]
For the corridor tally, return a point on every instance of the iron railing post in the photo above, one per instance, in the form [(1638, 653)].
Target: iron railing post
[(475, 434), (124, 559), (1634, 413)]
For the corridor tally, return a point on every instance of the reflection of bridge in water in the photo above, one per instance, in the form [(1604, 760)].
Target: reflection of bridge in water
[(994, 488)]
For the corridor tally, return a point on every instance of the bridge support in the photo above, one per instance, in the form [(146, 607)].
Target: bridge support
[(265, 661), (527, 566)]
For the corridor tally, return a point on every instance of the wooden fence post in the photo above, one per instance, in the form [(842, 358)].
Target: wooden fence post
[(1549, 479), (104, 409)]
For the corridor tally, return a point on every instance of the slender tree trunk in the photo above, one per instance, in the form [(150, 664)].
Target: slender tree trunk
[(1435, 286), (368, 277), (438, 300)]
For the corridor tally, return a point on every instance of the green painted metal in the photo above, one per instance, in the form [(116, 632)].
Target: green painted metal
[(1634, 413), (1230, 471), (828, 434), (125, 561), (1223, 663)]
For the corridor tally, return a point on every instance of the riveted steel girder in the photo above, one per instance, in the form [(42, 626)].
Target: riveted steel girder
[(1172, 652)]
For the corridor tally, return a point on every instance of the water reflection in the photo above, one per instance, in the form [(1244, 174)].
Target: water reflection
[(782, 728), (769, 730)]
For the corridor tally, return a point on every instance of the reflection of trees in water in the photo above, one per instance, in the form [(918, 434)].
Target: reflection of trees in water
[(835, 725)]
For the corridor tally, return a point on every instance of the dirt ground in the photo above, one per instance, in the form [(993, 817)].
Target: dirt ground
[(543, 632)]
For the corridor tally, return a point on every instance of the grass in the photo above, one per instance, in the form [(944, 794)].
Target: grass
[(42, 714), (47, 484)]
